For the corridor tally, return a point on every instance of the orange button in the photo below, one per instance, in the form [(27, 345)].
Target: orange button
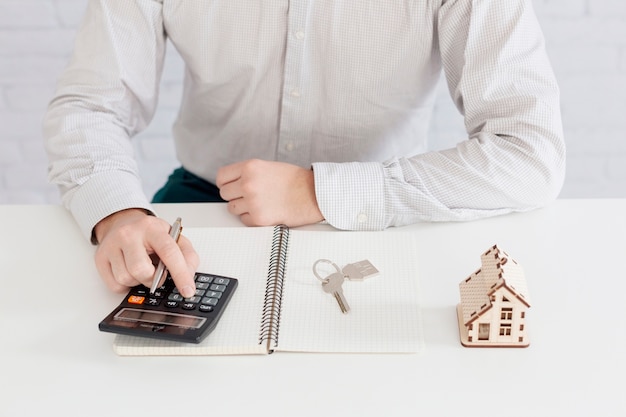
[(136, 299)]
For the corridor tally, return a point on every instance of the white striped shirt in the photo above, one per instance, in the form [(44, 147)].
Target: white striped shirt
[(345, 86)]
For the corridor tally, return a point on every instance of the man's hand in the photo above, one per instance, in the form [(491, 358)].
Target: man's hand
[(128, 238), (264, 193)]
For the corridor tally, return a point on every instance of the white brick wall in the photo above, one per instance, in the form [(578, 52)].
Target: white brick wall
[(586, 40)]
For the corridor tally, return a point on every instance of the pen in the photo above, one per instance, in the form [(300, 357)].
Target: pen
[(157, 281)]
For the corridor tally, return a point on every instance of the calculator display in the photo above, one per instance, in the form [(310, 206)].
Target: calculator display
[(160, 317)]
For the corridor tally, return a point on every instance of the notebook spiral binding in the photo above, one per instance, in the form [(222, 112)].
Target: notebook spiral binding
[(270, 320)]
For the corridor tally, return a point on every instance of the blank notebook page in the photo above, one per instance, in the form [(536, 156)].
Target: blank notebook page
[(384, 311)]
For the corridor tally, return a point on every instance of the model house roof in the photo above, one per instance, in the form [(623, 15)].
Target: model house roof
[(498, 272)]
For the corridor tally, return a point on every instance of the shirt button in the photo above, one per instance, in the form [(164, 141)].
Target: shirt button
[(300, 34), (295, 93), (289, 146), (361, 218)]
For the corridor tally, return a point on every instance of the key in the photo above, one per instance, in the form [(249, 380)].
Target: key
[(359, 271), (333, 285)]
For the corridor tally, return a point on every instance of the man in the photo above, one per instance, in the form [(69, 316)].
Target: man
[(300, 111)]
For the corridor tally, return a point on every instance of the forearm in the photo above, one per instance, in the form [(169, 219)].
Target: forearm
[(472, 181), (105, 96)]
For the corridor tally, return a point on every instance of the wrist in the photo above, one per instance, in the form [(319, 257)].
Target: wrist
[(314, 213), (102, 228)]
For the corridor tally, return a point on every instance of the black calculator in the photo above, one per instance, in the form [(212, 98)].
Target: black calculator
[(166, 314)]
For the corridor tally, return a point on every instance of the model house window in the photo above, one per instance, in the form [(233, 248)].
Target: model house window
[(506, 314), (483, 331), (505, 330)]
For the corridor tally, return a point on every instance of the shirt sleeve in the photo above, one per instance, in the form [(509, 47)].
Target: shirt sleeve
[(513, 159), (106, 95)]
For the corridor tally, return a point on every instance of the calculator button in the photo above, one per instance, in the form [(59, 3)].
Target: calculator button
[(205, 308), (215, 287), (136, 299), (213, 294), (188, 306), (159, 294), (141, 290), (204, 278), (202, 285), (221, 281), (210, 301), (194, 299), (153, 302), (171, 304), (175, 297)]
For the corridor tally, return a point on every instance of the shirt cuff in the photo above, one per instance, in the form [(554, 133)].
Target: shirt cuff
[(351, 195), (103, 195)]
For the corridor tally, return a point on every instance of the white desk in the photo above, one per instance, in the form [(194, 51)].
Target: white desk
[(53, 359)]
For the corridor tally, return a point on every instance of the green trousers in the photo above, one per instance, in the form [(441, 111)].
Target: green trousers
[(184, 187)]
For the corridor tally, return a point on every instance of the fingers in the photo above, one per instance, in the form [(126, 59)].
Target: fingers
[(231, 184), (189, 253), (238, 207), (245, 185), (228, 174), (135, 265), (242, 179), (118, 280), (123, 256), (264, 193), (228, 180), (182, 269)]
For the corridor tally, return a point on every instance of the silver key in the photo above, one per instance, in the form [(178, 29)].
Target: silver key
[(333, 285), (359, 271)]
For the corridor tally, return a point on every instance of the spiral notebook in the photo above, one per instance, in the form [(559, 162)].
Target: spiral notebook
[(280, 305)]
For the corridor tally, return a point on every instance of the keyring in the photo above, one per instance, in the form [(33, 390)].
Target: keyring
[(326, 261)]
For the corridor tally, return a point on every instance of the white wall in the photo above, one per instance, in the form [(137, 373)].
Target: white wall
[(586, 40)]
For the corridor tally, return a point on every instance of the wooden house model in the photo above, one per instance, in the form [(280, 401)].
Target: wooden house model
[(494, 303)]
